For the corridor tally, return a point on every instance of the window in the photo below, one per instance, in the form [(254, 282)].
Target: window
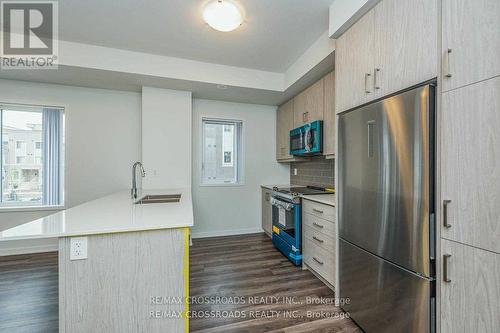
[(31, 173), (221, 152)]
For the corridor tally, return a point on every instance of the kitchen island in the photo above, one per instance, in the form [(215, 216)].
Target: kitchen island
[(123, 267)]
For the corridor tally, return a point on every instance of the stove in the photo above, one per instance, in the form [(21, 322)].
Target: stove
[(287, 219), (294, 192)]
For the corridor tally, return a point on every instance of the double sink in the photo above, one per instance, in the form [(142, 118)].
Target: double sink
[(158, 198)]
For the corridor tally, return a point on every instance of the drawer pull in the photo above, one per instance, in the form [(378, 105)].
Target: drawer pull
[(317, 210), (319, 262), (375, 72), (446, 64), (367, 75), (318, 240), (318, 225), (445, 213), (446, 278)]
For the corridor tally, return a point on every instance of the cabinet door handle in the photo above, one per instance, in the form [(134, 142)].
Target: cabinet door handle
[(367, 90), (317, 211), (445, 214), (318, 225), (318, 240), (446, 63), (375, 81), (446, 278), (318, 261)]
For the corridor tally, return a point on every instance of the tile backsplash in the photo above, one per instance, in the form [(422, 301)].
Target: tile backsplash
[(317, 172)]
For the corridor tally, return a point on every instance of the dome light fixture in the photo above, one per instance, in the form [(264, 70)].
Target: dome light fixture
[(222, 15)]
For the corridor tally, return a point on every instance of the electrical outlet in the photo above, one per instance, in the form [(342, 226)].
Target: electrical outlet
[(78, 249), (295, 171)]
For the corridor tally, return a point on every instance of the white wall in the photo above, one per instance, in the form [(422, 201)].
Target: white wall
[(102, 139), (166, 138), (236, 209), (344, 13)]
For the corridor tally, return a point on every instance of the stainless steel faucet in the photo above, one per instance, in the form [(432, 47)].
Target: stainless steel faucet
[(133, 191)]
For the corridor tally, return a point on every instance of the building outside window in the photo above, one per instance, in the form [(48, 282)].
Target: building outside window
[(221, 152), (32, 174)]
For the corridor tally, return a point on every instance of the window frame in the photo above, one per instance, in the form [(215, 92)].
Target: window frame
[(239, 151), (28, 206)]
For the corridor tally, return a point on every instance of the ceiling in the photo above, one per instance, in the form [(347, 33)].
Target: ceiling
[(275, 32), (85, 77)]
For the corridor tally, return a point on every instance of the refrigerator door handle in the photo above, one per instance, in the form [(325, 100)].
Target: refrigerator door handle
[(370, 125), (446, 278)]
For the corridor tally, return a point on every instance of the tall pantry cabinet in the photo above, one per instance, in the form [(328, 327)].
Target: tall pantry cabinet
[(470, 166), (396, 45)]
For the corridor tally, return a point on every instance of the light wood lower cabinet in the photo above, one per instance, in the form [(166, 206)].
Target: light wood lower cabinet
[(267, 215), (320, 210), (470, 300), (320, 260), (319, 240)]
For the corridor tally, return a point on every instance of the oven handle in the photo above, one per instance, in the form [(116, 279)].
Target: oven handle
[(283, 204)]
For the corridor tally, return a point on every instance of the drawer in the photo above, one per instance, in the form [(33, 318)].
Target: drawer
[(320, 260), (320, 210), (318, 224), (320, 239)]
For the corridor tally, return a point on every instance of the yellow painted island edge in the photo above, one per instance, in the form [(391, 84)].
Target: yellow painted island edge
[(186, 279)]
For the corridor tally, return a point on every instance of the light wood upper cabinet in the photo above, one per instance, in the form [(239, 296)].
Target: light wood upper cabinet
[(471, 30), (284, 123), (470, 301), (392, 47), (308, 105), (329, 116), (354, 64), (470, 164), (406, 44)]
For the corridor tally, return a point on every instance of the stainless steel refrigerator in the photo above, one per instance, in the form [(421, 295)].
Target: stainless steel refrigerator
[(386, 212)]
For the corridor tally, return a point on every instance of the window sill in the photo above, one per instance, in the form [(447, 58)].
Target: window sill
[(6, 209), (223, 185)]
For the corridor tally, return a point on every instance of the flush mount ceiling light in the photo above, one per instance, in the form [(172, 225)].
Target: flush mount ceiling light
[(222, 15)]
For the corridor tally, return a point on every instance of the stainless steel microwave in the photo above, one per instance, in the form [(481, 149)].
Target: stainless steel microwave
[(307, 139)]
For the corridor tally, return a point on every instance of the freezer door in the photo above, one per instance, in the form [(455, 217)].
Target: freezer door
[(384, 184), (382, 296)]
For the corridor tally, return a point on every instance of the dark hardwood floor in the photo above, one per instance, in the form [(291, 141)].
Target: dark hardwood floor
[(244, 269), (29, 293)]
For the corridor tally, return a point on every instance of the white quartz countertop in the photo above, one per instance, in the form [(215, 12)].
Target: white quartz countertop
[(110, 214), (327, 199)]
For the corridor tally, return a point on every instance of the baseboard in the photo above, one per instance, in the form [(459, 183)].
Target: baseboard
[(8, 249), (226, 232)]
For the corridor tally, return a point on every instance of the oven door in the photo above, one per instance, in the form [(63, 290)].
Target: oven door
[(307, 140), (286, 220)]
